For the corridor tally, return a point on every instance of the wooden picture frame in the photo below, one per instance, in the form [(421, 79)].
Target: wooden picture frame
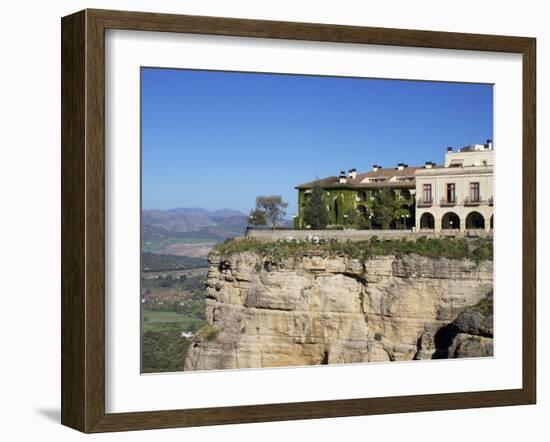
[(83, 220)]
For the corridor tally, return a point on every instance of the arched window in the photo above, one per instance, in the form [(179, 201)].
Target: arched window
[(306, 198), (450, 221), (475, 220), (427, 221)]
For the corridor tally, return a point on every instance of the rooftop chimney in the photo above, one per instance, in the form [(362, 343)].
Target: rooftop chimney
[(352, 174), (401, 166), (375, 168), (490, 144), (450, 149), (342, 178), (428, 165)]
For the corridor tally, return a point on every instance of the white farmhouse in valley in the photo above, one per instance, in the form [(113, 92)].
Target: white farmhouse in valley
[(458, 194)]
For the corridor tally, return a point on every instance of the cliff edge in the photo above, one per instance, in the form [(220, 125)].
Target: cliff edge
[(315, 308)]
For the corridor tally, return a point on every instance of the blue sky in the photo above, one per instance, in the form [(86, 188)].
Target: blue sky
[(218, 139)]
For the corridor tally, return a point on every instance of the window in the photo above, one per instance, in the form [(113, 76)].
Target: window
[(474, 192), (427, 192), (451, 192)]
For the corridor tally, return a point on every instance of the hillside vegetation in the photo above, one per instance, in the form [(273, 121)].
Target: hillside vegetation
[(170, 306)]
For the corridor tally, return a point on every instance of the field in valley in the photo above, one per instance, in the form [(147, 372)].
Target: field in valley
[(193, 250), (172, 305)]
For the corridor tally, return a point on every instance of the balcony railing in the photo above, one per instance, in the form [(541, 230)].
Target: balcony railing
[(468, 201), (421, 202), (447, 202)]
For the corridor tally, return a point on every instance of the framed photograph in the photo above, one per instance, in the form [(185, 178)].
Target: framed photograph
[(267, 220)]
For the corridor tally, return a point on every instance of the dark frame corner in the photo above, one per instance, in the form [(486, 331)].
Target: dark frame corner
[(83, 216)]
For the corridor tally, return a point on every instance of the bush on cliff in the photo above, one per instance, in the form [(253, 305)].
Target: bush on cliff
[(208, 332), (475, 249)]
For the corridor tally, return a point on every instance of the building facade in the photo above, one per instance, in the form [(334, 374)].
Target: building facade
[(347, 194), (459, 194)]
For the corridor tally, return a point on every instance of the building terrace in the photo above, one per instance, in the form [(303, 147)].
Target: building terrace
[(456, 195)]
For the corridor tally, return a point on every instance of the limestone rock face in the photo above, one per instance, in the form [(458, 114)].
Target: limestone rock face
[(473, 332), (327, 310)]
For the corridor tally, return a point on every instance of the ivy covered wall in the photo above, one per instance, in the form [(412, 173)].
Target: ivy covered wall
[(345, 204)]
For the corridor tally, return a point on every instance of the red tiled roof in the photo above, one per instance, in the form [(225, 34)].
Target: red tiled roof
[(356, 182)]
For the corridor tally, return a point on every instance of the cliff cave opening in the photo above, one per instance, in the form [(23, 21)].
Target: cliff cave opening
[(443, 339), (325, 358)]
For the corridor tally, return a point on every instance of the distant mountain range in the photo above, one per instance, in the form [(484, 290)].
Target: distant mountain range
[(164, 226)]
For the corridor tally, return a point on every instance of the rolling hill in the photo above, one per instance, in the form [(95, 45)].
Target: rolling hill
[(162, 228)]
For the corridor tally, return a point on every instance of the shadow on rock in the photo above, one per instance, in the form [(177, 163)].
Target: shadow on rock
[(443, 340)]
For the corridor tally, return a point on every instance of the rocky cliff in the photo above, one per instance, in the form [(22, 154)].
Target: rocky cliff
[(321, 309)]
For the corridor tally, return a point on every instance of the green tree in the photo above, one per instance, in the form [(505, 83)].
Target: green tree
[(364, 222), (383, 209), (316, 212), (273, 206), (352, 218), (399, 213), (257, 217), (388, 208)]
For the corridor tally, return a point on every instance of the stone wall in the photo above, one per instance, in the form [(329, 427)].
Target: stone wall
[(355, 235)]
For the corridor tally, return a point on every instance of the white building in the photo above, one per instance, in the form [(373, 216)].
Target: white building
[(458, 195)]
